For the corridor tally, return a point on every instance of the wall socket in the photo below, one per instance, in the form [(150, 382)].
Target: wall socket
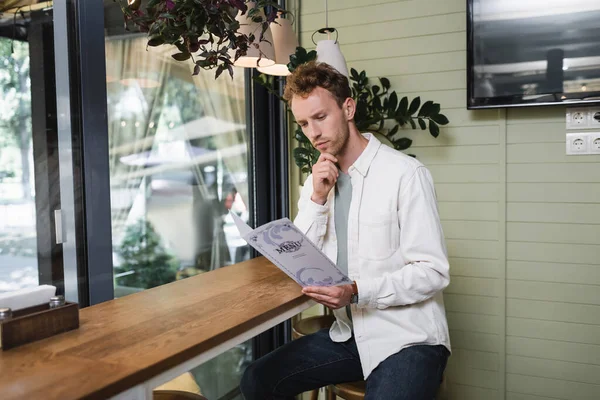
[(583, 143), (583, 118)]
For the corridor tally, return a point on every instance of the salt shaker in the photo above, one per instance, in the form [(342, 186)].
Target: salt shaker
[(57, 301), (5, 313)]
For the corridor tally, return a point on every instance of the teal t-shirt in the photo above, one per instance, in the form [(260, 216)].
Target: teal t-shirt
[(343, 196)]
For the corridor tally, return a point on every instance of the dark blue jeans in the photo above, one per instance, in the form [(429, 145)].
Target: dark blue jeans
[(315, 361)]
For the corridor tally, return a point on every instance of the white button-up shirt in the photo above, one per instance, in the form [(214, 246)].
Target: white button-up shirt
[(396, 254)]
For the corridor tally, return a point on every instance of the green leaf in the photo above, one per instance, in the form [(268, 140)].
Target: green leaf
[(414, 105), (377, 102), (434, 129), (413, 124), (153, 3), (393, 102), (181, 56), (354, 74), (403, 107), (156, 41), (188, 21), (261, 79), (402, 143), (440, 119), (385, 82), (435, 109), (375, 89), (393, 131), (422, 124), (220, 70), (426, 109)]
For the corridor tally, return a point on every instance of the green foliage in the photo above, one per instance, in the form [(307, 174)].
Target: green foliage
[(204, 31), (143, 254)]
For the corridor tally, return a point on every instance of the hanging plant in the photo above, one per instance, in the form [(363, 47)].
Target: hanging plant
[(376, 105), (204, 31)]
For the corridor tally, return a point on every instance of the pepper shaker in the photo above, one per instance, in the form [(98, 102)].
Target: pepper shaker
[(57, 301)]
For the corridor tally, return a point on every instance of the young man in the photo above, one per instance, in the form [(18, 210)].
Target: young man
[(372, 210)]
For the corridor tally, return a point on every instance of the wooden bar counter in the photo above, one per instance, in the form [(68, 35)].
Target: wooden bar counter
[(126, 347)]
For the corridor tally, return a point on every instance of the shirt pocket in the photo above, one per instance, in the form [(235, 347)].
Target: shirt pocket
[(375, 235)]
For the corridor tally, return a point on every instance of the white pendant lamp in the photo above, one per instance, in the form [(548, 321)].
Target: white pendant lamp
[(265, 47), (328, 51), (285, 41)]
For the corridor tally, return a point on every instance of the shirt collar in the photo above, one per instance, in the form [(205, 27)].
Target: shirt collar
[(363, 162)]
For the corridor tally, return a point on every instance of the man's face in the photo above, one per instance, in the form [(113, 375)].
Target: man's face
[(322, 120)]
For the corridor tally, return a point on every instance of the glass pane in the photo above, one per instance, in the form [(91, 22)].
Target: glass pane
[(28, 253), (178, 164), (18, 247)]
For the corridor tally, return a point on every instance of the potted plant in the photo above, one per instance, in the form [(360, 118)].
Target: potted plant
[(205, 31)]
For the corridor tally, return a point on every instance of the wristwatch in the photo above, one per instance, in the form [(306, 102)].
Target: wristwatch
[(354, 298)]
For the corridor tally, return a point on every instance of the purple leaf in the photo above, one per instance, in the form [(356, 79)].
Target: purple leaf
[(239, 4), (170, 5)]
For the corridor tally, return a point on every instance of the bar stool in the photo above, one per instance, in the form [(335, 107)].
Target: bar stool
[(356, 390), (176, 395), (350, 390)]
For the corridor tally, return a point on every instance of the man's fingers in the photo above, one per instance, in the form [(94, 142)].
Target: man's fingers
[(325, 300), (331, 291), (327, 156), (327, 176)]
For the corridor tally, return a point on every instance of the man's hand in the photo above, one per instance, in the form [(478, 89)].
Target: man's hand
[(325, 175), (333, 297)]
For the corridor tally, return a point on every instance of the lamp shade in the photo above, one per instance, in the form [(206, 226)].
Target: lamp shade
[(328, 51), (248, 27), (285, 41)]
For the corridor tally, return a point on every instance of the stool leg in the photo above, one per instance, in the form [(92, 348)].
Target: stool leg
[(314, 395), (329, 394)]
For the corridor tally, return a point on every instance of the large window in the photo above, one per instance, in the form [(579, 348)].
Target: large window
[(30, 250), (18, 247), (178, 165)]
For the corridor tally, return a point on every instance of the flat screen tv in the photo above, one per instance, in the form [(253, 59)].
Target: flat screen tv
[(532, 52)]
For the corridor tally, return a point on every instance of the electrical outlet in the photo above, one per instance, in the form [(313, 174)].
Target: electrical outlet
[(594, 142), (577, 143), (577, 118), (594, 117)]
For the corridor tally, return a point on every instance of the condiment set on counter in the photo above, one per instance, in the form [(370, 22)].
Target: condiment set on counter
[(25, 325)]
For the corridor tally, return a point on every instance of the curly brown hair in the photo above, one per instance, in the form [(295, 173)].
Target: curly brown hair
[(307, 77)]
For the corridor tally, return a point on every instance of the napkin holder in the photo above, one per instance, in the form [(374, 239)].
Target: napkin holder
[(37, 322)]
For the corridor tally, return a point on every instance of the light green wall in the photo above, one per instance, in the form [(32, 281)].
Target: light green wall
[(522, 220)]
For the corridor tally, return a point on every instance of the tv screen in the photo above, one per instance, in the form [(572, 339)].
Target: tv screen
[(533, 52)]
